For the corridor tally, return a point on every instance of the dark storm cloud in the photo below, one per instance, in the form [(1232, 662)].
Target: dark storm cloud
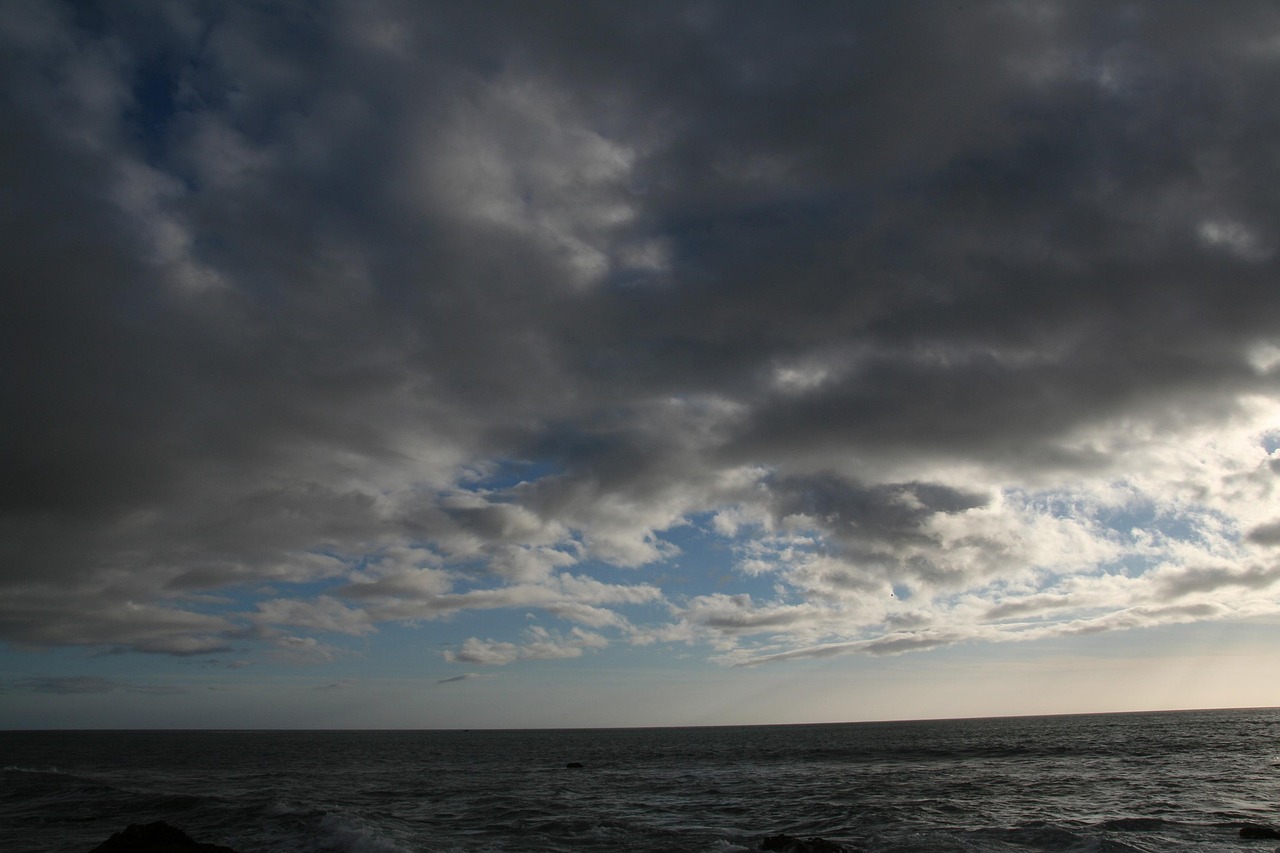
[(1208, 578), (1266, 534), (878, 515), (283, 281)]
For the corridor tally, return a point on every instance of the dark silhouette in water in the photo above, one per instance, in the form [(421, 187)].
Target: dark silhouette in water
[(1253, 830), (791, 844), (158, 837)]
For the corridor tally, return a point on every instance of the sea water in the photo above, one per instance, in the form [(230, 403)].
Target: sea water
[(1108, 782)]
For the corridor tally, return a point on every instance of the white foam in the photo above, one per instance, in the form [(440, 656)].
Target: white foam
[(354, 840)]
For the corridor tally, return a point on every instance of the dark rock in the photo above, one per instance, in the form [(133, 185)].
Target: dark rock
[(158, 837), (791, 844), (1253, 830), (573, 765)]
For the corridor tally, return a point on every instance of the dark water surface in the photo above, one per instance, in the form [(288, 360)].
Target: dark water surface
[(1110, 782)]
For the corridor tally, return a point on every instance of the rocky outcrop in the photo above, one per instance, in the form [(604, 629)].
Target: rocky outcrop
[(791, 844), (158, 837), (1253, 830)]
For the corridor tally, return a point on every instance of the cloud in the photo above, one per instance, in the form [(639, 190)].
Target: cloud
[(1266, 534), (70, 685), (889, 644), (933, 325), (158, 689), (323, 614), (1196, 579), (304, 651), (738, 614), (540, 644), (40, 618), (867, 517), (64, 684), (466, 676)]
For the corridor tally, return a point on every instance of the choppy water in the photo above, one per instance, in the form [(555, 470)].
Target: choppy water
[(1116, 782)]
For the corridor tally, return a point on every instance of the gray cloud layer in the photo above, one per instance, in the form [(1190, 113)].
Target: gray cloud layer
[(437, 305)]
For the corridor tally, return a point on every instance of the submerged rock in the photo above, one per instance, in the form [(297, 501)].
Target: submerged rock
[(158, 837), (1253, 830), (791, 844)]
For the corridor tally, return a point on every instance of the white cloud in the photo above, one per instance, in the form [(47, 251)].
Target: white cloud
[(1233, 237), (304, 651), (540, 644), (520, 155), (323, 614)]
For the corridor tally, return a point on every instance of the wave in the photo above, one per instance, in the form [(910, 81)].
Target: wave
[(1045, 836), (1135, 824), (344, 836)]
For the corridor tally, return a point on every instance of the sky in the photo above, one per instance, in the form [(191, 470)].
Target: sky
[(503, 364)]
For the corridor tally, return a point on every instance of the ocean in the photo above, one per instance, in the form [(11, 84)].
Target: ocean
[(1106, 782)]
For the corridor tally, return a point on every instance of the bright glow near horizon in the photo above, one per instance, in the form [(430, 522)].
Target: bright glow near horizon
[(593, 365)]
